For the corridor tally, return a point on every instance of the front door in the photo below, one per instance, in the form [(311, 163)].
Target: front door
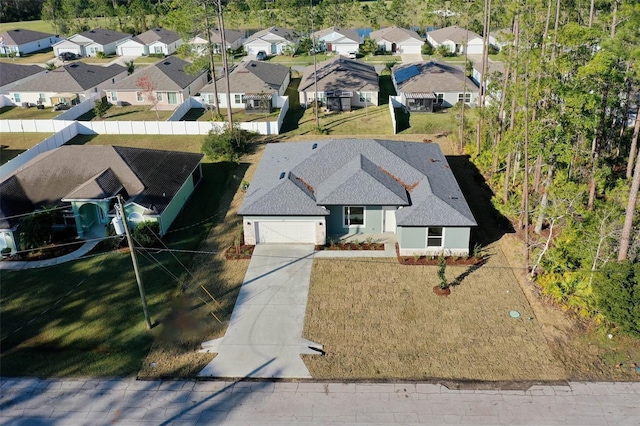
[(274, 49), (389, 219)]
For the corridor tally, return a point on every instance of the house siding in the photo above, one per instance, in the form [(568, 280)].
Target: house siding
[(32, 46), (373, 216), (177, 203), (413, 240)]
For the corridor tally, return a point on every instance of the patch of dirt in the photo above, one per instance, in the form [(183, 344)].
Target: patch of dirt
[(239, 253)]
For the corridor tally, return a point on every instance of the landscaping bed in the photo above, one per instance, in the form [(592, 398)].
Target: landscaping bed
[(239, 252), (351, 245)]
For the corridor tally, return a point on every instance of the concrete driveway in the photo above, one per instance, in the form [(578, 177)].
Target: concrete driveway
[(410, 58), (264, 337)]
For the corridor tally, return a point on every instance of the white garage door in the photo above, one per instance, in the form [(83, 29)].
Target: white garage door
[(411, 49), (130, 51), (286, 232), (68, 49)]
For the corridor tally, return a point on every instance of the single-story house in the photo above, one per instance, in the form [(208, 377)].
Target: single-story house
[(342, 84), (232, 38), (398, 40), (12, 75), (21, 41), (424, 86), (305, 192), (171, 85), (455, 39), (255, 86), (273, 40), (83, 181), (89, 43), (494, 68), (68, 84), (338, 40), (156, 41), (501, 38)]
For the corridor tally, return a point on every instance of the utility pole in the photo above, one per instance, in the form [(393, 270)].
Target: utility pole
[(225, 63), (211, 64), (134, 259), (315, 68)]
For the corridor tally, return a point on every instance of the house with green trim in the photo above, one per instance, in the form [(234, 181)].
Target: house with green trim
[(83, 181), (307, 192)]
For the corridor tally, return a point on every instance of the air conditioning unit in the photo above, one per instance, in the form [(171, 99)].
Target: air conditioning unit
[(119, 104), (25, 105)]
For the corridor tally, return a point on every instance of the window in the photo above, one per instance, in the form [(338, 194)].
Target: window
[(238, 99), (467, 97), (434, 237), (114, 96), (172, 98), (157, 49), (440, 98), (159, 96), (365, 97), (139, 97), (113, 80), (353, 216), (16, 96)]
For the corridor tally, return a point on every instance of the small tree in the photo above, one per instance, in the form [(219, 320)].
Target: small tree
[(226, 144), (442, 266), (130, 67), (101, 107), (369, 47), (36, 229), (149, 91)]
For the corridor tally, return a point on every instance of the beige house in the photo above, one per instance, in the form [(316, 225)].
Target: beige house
[(398, 40), (170, 85), (342, 84)]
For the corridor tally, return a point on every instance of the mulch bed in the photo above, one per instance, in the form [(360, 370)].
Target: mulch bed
[(352, 246), (433, 260), (48, 252), (244, 252)]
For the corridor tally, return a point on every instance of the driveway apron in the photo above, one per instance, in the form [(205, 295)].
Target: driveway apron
[(264, 337)]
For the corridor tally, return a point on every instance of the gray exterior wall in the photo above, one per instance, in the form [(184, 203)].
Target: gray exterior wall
[(372, 221), (413, 240)]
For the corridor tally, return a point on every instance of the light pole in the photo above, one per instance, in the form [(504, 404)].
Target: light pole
[(315, 68)]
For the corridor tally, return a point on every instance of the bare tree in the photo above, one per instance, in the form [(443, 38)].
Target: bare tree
[(149, 91)]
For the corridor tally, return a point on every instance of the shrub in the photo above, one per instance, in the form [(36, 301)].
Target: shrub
[(101, 107), (100, 55), (617, 293), (442, 266), (227, 144), (147, 234), (427, 49)]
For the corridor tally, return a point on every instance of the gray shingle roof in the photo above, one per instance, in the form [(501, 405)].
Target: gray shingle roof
[(157, 34), (350, 34), (252, 77), (21, 36), (229, 35), (394, 34), (279, 31), (340, 73), (75, 77), (10, 73), (453, 33), (431, 76), (358, 172), (168, 74), (102, 36), (151, 178)]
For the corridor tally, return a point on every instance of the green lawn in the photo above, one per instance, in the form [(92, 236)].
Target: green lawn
[(19, 113), (439, 122), (42, 26), (14, 144), (93, 323), (239, 115), (98, 61), (32, 58), (128, 113), (298, 59), (190, 143)]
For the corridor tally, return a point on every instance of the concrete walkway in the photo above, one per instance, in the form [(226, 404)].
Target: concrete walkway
[(264, 337), (130, 402), (16, 265), (410, 58)]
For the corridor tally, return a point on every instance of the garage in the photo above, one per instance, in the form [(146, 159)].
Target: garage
[(130, 51), (74, 50), (408, 48), (285, 231)]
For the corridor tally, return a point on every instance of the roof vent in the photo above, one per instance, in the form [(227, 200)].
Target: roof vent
[(166, 63), (454, 198), (314, 146), (282, 175)]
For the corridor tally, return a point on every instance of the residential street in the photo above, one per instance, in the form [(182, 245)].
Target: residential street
[(131, 402)]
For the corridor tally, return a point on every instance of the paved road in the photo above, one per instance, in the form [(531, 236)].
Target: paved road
[(126, 401)]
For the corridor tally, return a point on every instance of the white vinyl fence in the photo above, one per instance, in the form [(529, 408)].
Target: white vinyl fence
[(77, 110), (394, 102)]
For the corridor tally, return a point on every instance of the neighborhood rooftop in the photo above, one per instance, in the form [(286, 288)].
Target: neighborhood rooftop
[(157, 34), (74, 77), (394, 34), (454, 33), (253, 77), (102, 36), (167, 74), (10, 72), (345, 33), (341, 73), (21, 36), (282, 32), (431, 76)]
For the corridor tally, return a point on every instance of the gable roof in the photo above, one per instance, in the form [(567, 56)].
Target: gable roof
[(20, 36), (454, 33), (279, 31), (340, 73), (301, 178), (157, 34), (395, 34), (10, 72), (431, 76), (252, 77), (151, 178), (101, 36), (229, 35), (348, 34), (168, 74), (74, 78)]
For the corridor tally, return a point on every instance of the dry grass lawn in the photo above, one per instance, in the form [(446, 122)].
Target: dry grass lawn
[(19, 113), (15, 144)]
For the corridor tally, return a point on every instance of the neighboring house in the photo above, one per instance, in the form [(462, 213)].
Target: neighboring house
[(501, 38), (233, 39), (338, 40), (67, 85), (493, 68), (171, 85), (455, 39), (305, 192), (398, 40), (425, 86), (273, 40), (342, 84), (84, 181), (12, 75), (254, 86), (156, 41), (89, 43), (21, 41)]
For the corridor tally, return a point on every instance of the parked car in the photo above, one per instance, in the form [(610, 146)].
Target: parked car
[(352, 54), (261, 55), (67, 56)]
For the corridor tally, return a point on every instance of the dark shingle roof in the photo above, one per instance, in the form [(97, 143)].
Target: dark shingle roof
[(361, 172), (157, 34), (75, 77), (150, 177), (431, 76), (10, 73), (279, 31), (340, 73), (103, 37), (21, 36), (252, 77), (168, 74), (230, 36)]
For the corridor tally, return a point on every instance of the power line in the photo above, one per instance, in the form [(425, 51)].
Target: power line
[(33, 213)]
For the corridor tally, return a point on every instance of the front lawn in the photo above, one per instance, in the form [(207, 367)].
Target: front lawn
[(239, 115), (373, 120), (14, 144), (19, 113), (303, 60), (128, 113), (31, 58), (94, 60)]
